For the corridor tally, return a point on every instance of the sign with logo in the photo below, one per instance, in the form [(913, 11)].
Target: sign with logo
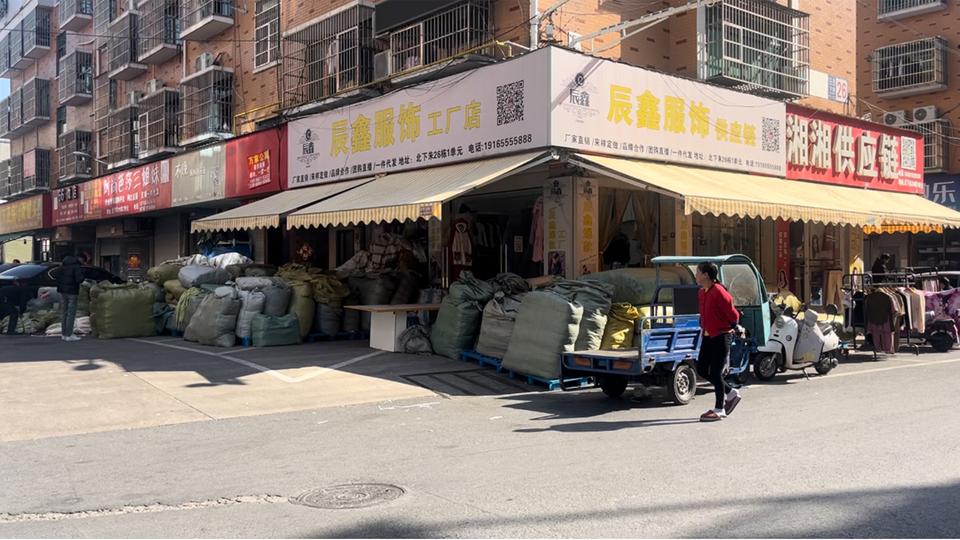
[(838, 89), (587, 231), (784, 279), (23, 215), (834, 149), (944, 189), (254, 163), (617, 109), (492, 110), (558, 201), (199, 176), (134, 191)]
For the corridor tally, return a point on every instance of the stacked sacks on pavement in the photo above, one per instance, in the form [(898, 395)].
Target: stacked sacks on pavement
[(637, 286), (460, 316), (197, 275), (547, 325), (164, 272), (621, 324), (499, 317), (215, 321), (187, 307), (328, 293), (595, 297), (302, 304), (122, 311), (271, 331)]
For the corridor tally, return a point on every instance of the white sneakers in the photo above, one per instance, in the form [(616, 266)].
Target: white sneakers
[(71, 338)]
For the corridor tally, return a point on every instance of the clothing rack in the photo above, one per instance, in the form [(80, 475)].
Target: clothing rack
[(866, 283)]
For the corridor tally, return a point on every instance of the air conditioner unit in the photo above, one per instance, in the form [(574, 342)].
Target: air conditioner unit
[(133, 97), (868, 117), (895, 118), (205, 61), (154, 86), (925, 114), (381, 65)]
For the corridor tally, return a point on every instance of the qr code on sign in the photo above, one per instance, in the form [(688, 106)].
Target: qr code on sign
[(771, 135), (510, 103)]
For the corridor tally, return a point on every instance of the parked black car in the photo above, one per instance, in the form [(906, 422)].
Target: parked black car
[(6, 266), (45, 274)]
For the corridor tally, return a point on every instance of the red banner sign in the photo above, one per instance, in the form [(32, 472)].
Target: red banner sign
[(23, 215), (254, 165), (784, 280), (135, 191), (834, 149)]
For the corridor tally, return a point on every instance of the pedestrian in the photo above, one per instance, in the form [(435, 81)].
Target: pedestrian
[(69, 278), (719, 320), (13, 303), (881, 266)]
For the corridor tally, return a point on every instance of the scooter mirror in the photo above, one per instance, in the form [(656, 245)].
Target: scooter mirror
[(832, 309)]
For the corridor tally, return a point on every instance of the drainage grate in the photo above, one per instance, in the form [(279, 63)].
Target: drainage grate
[(348, 496)]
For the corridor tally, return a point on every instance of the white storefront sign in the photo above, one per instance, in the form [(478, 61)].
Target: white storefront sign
[(488, 111), (611, 108)]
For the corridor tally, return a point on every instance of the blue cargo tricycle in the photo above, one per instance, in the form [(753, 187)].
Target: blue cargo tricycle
[(667, 342)]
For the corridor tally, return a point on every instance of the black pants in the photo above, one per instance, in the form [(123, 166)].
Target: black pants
[(714, 362), (9, 310)]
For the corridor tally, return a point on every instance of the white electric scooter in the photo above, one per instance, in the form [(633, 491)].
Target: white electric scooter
[(798, 344)]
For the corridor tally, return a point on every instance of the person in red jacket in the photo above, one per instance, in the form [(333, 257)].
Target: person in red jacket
[(718, 319)]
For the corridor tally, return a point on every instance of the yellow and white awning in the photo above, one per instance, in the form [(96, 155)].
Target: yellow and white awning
[(707, 191), (411, 195), (266, 213)]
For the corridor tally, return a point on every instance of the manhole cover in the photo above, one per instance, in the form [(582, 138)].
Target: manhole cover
[(349, 496)]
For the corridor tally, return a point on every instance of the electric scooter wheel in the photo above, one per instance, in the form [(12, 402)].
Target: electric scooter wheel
[(765, 366), (682, 385), (941, 341), (824, 366), (613, 387)]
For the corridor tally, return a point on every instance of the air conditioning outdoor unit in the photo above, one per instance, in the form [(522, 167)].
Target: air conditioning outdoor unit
[(154, 86), (205, 61), (133, 97), (925, 114), (895, 118), (868, 117), (381, 65)]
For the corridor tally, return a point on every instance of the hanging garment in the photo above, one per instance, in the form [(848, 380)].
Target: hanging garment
[(834, 289), (882, 336), (462, 247), (536, 231), (879, 312), (918, 309)]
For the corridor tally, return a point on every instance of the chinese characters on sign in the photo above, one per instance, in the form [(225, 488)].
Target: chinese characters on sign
[(684, 230), (258, 169), (839, 150), (23, 215), (558, 204), (254, 163), (784, 280), (945, 190), (199, 176), (143, 189), (587, 231)]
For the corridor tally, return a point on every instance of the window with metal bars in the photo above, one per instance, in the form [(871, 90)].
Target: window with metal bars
[(76, 78), (61, 119), (16, 175), (444, 35), (936, 139), (159, 30), (36, 101), (898, 9), (159, 122), (61, 48), (207, 104), (267, 33), (910, 68), (329, 56), (5, 54), (75, 152), (5, 179), (16, 110), (36, 170), (74, 14), (36, 30), (4, 117), (122, 147), (124, 45), (199, 13)]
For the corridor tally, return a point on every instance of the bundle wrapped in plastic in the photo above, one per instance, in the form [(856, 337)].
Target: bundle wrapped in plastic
[(621, 325), (163, 273), (196, 275), (637, 286), (269, 331), (187, 306), (546, 327), (303, 306), (416, 340), (122, 311), (499, 317), (251, 304), (259, 270), (229, 259), (595, 298), (215, 321), (174, 290), (329, 290), (277, 301), (253, 283), (458, 322), (159, 294), (510, 283), (327, 320), (83, 299)]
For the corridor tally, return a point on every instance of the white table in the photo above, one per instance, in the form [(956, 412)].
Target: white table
[(387, 322)]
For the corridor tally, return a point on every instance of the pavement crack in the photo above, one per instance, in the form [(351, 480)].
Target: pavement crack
[(141, 509)]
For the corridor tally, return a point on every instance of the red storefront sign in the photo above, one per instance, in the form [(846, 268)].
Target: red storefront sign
[(143, 189), (784, 280), (835, 149), (25, 215), (254, 165)]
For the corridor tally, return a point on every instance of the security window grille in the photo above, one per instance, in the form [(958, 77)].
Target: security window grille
[(756, 46), (4, 118), (76, 78), (5, 178), (122, 137), (454, 31), (75, 152), (203, 19), (36, 102), (61, 48), (915, 67), (5, 66), (16, 175), (17, 59), (936, 138), (159, 122), (268, 32), (330, 56), (16, 110), (898, 9), (36, 170), (207, 104), (36, 32), (124, 48), (61, 119), (75, 14), (159, 30)]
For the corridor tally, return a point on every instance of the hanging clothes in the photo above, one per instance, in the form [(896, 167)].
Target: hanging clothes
[(834, 288), (536, 231), (880, 313), (462, 245)]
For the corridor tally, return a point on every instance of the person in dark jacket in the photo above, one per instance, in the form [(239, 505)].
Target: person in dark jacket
[(13, 302), (69, 279), (881, 266)]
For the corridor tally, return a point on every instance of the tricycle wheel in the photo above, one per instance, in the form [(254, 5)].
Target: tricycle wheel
[(612, 386), (742, 377), (765, 366), (941, 341), (682, 385)]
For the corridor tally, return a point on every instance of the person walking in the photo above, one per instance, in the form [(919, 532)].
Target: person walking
[(13, 303), (719, 320), (69, 279)]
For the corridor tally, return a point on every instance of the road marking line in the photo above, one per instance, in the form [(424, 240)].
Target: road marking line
[(320, 370)]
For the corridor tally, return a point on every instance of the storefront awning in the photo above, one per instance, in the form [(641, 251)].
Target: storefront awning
[(411, 195), (707, 191), (266, 213)]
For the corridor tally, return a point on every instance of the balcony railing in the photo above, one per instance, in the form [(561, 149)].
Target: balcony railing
[(5, 179), (36, 171), (16, 111), (159, 123), (5, 118), (327, 57), (756, 46), (889, 10), (159, 30), (125, 48), (437, 37), (76, 78), (36, 102), (75, 152), (36, 31), (6, 67), (17, 59), (122, 147), (914, 67), (16, 175), (207, 102), (75, 14), (204, 19)]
